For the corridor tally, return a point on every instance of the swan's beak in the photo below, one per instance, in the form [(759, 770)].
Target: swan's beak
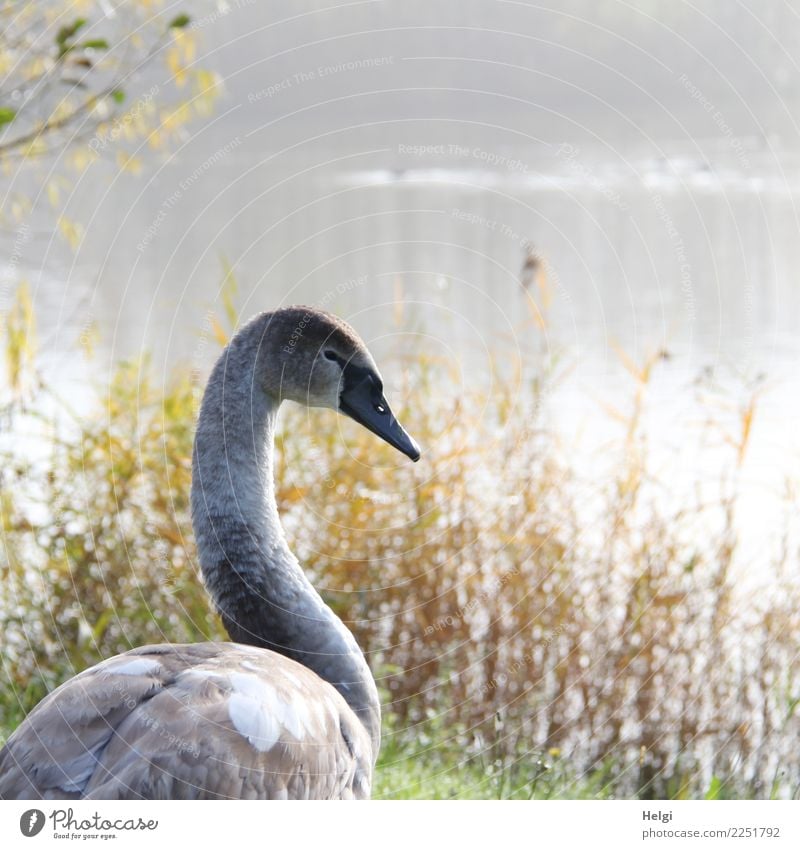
[(364, 403)]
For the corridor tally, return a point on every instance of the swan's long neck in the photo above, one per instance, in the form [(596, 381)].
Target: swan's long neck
[(260, 590)]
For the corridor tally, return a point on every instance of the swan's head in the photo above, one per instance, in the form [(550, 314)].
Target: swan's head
[(324, 363)]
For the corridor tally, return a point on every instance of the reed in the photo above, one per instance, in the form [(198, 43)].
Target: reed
[(526, 644)]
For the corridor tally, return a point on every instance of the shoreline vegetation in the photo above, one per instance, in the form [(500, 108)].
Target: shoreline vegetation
[(519, 653)]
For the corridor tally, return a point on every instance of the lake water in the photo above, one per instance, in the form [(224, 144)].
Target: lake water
[(396, 167)]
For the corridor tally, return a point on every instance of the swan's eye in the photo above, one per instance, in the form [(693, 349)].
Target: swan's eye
[(331, 355), (380, 408)]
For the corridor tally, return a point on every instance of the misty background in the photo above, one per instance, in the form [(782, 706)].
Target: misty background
[(397, 162)]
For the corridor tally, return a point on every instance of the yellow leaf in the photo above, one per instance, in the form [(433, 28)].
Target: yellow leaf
[(81, 158), (628, 363), (155, 140), (20, 330), (747, 425), (538, 317), (72, 232), (175, 66), (219, 331), (205, 81), (186, 44), (52, 193), (132, 164), (230, 288)]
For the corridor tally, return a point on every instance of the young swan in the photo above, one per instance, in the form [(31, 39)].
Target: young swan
[(287, 710)]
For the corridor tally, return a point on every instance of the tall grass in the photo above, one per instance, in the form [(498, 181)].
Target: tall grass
[(526, 644)]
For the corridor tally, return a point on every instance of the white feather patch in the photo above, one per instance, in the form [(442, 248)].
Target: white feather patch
[(253, 650), (201, 674), (291, 677), (319, 716), (132, 666), (303, 715), (256, 712), (333, 710)]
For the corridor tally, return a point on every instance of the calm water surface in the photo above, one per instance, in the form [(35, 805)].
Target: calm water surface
[(404, 172)]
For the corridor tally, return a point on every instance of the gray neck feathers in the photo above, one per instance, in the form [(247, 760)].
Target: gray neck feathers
[(258, 587)]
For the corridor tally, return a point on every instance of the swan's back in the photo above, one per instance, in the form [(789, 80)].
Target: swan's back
[(212, 720)]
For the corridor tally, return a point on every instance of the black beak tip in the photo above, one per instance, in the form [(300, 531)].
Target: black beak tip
[(408, 446), (370, 410)]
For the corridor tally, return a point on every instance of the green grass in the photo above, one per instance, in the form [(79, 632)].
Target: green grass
[(438, 770), (408, 771)]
